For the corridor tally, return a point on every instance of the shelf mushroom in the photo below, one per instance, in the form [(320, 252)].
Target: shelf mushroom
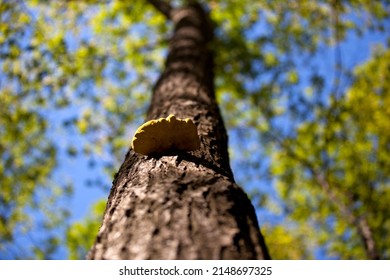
[(166, 135)]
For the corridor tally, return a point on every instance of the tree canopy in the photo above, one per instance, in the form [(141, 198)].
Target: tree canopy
[(304, 88)]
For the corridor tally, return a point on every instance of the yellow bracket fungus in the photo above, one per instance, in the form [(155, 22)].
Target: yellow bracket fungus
[(165, 134)]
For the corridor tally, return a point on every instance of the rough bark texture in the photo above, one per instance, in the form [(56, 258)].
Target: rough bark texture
[(182, 205)]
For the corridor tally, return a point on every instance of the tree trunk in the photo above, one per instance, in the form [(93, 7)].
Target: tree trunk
[(184, 205)]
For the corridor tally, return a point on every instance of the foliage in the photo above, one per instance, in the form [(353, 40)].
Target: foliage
[(80, 235), (338, 165), (287, 243), (27, 156), (302, 123)]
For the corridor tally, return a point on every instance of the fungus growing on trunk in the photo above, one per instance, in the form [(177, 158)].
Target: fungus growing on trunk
[(166, 135)]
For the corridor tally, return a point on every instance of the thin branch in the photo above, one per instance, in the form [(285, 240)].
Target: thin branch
[(360, 222), (368, 239), (164, 7)]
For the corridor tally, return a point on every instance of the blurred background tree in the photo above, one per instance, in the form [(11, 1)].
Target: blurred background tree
[(304, 90)]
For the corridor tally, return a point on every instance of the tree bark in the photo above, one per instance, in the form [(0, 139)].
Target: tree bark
[(182, 205)]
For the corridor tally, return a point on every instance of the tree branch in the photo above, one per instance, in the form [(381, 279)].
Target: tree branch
[(360, 222), (164, 7)]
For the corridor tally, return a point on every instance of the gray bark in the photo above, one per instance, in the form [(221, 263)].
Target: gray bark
[(182, 205)]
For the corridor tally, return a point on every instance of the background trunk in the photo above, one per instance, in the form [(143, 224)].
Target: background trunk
[(184, 205)]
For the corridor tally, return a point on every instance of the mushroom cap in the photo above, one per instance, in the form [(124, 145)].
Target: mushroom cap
[(166, 134)]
